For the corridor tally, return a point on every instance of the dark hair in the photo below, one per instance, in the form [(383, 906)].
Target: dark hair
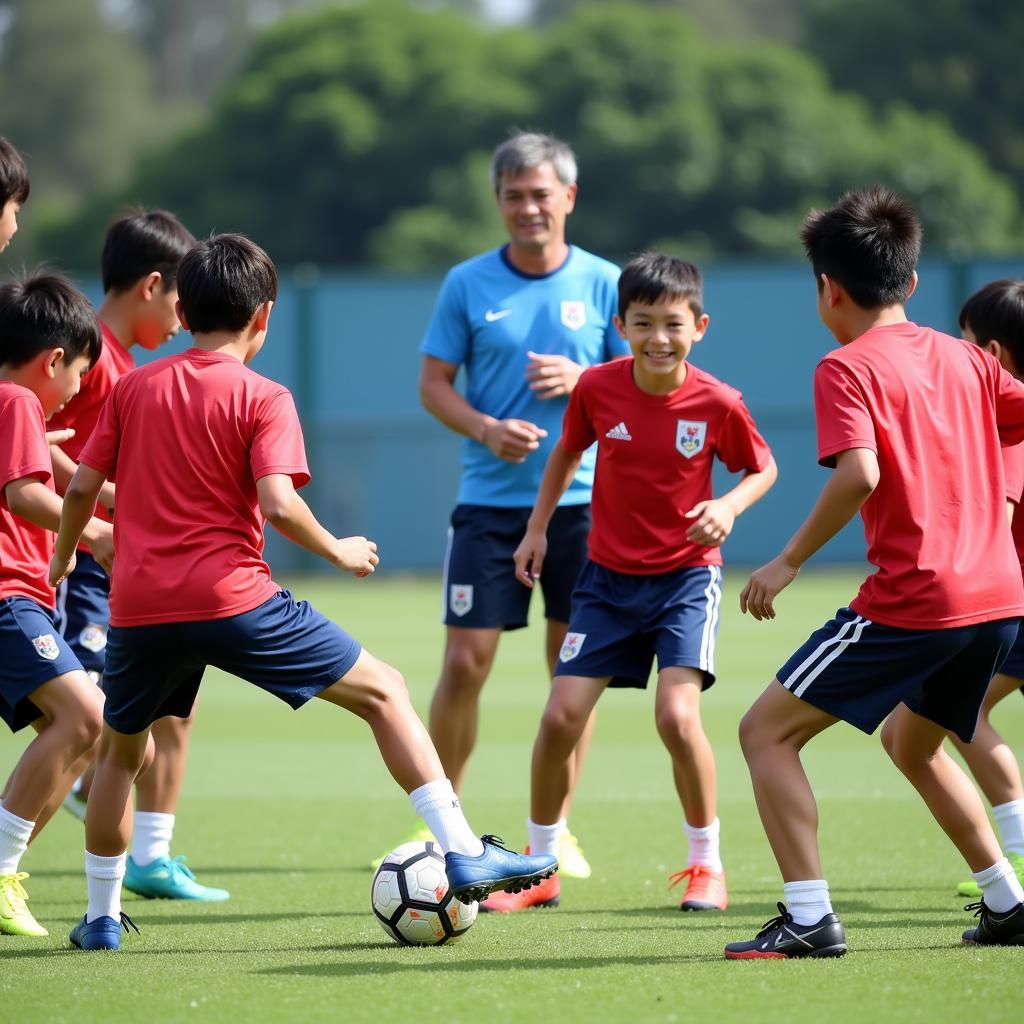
[(13, 175), (869, 242), (140, 242), (223, 281), (43, 311), (996, 313), (655, 275)]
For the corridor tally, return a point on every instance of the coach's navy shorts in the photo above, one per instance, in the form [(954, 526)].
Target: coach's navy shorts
[(480, 586), (859, 670), (32, 652), (285, 647), (620, 622), (83, 611)]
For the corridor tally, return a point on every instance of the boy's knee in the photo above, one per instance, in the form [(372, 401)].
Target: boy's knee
[(674, 723), (752, 734), (889, 740), (561, 725)]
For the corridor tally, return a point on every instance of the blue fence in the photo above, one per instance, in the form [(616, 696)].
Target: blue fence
[(346, 345)]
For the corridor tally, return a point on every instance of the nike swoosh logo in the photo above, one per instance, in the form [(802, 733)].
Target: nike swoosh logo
[(490, 316)]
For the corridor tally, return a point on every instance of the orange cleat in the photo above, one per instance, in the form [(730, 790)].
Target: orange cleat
[(705, 889), (544, 894)]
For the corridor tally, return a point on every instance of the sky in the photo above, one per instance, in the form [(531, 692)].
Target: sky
[(507, 10)]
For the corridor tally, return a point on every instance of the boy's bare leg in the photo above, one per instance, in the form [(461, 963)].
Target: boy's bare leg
[(989, 757), (915, 745), (63, 788), (677, 715), (108, 817), (158, 788), (772, 734)]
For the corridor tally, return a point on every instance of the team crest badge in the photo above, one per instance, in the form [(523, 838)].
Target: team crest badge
[(572, 646), (93, 638), (690, 437), (46, 646), (460, 598), (574, 315)]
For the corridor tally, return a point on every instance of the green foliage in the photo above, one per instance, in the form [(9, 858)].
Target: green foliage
[(361, 134)]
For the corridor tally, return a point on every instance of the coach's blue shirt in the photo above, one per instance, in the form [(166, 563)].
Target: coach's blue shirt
[(488, 316)]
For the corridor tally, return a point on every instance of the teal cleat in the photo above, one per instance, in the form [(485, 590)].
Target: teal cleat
[(471, 879), (103, 933), (166, 879)]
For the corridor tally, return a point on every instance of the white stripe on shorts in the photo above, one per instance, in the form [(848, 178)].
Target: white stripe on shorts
[(713, 596), (820, 658), (444, 572)]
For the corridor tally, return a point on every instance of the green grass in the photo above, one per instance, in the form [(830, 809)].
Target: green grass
[(285, 809)]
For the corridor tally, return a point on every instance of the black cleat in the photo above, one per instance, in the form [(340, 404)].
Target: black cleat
[(781, 939), (995, 929)]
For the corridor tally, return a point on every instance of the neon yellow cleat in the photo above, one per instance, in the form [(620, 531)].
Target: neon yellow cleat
[(420, 834), (15, 917), (571, 862), (971, 888)]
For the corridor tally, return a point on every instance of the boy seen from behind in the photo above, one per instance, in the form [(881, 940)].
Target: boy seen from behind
[(205, 451), (912, 423), (652, 584)]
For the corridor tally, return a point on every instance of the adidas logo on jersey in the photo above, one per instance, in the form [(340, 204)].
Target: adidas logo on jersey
[(620, 433)]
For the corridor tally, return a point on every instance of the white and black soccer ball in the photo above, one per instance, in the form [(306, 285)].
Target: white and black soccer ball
[(411, 899)]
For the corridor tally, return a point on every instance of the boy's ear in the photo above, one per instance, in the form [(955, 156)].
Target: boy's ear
[(50, 361), (913, 285), (702, 326), (148, 285), (620, 325), (180, 313), (262, 316), (830, 290)]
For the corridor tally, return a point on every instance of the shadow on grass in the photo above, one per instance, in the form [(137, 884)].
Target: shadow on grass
[(215, 870)]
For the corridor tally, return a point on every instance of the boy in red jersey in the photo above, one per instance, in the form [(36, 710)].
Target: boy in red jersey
[(49, 338), (141, 254), (204, 451), (14, 189), (993, 317), (913, 422), (652, 584)]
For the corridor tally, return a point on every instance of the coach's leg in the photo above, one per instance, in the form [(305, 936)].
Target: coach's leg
[(454, 709)]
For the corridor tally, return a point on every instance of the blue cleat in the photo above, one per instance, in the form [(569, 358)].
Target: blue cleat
[(166, 879), (103, 933), (472, 879)]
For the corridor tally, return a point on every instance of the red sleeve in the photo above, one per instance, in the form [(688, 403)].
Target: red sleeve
[(1013, 472), (277, 445), (1009, 406), (23, 448), (841, 411), (577, 429), (100, 451), (740, 445)]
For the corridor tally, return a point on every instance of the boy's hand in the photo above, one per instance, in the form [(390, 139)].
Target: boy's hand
[(529, 556), (102, 547), (551, 376), (714, 523), (764, 585), (356, 555), (60, 570), (58, 437), (512, 440)]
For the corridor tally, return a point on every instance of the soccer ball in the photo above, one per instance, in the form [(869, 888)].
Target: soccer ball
[(411, 900)]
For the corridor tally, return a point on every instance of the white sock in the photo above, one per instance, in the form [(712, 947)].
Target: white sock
[(103, 876), (1010, 819), (437, 804), (703, 845), (151, 836), (545, 838), (807, 901), (14, 835), (1000, 888)]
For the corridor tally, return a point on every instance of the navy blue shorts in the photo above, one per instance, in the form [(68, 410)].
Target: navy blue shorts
[(285, 647), (32, 652), (479, 584), (860, 671), (620, 623), (1014, 664), (83, 611)]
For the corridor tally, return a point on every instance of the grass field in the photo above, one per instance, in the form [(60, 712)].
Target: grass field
[(285, 809)]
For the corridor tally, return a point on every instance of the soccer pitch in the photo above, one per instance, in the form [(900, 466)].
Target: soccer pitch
[(286, 810)]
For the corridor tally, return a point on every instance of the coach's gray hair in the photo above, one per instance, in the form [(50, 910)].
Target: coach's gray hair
[(530, 149)]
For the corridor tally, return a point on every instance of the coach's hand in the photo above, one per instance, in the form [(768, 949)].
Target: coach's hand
[(763, 587), (551, 376), (529, 556), (714, 522), (356, 555), (512, 440)]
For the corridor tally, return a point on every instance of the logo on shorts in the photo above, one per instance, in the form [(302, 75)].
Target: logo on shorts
[(690, 437), (93, 638), (574, 315), (46, 646), (572, 646), (460, 598)]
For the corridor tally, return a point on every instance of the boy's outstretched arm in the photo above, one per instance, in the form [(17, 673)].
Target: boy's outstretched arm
[(715, 518), (291, 516), (851, 484), (558, 474), (65, 467)]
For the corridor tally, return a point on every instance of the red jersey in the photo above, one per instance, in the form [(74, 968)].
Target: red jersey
[(25, 549), (185, 439), (654, 461), (1013, 468), (935, 410)]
